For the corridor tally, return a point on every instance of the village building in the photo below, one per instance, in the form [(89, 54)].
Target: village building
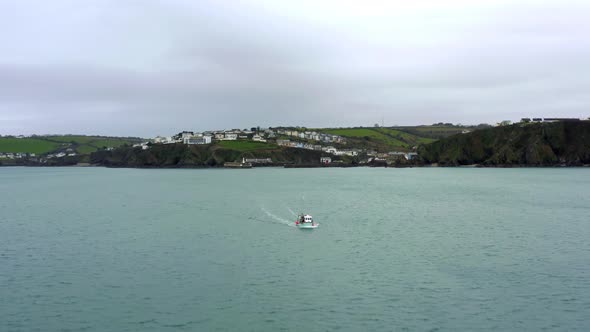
[(258, 138), (257, 160), (197, 140), (186, 134)]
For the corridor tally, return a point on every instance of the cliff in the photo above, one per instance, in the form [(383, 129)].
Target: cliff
[(534, 144)]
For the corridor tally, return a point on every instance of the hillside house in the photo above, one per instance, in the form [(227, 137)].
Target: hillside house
[(330, 149), (257, 160), (186, 134), (258, 138), (197, 140), (283, 142)]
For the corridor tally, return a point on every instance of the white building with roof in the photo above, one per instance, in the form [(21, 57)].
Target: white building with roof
[(197, 140)]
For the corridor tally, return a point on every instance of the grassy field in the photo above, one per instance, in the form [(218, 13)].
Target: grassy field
[(381, 139), (76, 139), (89, 144), (354, 132), (48, 144), (244, 146), (433, 132), (405, 136), (86, 149), (28, 145)]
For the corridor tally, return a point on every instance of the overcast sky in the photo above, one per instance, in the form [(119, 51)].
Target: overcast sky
[(147, 67)]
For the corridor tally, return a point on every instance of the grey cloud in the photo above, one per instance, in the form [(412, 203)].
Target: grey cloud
[(131, 68)]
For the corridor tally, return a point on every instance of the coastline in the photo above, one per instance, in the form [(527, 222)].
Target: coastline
[(286, 165)]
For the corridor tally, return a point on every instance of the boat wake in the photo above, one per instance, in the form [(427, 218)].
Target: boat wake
[(277, 219), (292, 212)]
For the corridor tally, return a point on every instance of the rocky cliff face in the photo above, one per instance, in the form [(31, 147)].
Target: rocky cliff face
[(535, 144)]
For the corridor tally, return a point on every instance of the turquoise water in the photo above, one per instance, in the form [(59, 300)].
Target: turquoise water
[(98, 249)]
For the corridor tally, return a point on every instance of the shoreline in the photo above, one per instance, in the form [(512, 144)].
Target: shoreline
[(289, 166)]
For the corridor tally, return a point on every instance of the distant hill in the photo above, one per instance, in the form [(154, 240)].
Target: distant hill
[(210, 155), (534, 144), (370, 138), (439, 131), (386, 139), (79, 144), (180, 155)]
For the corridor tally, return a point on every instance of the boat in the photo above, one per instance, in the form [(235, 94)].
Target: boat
[(305, 221)]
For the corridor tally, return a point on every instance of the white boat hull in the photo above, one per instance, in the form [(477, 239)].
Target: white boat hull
[(307, 226)]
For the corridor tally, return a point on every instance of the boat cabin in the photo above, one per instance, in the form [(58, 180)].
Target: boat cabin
[(306, 219)]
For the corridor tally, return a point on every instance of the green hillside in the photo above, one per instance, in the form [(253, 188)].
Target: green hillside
[(435, 132), (27, 145), (50, 144), (380, 139)]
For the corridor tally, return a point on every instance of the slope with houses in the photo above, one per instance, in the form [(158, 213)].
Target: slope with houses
[(282, 137)]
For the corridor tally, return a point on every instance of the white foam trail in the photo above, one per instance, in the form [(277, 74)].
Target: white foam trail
[(278, 219), (292, 212)]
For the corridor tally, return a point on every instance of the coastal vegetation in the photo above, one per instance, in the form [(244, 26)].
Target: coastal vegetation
[(211, 155), (522, 144), (439, 130), (244, 146), (532, 144), (380, 138)]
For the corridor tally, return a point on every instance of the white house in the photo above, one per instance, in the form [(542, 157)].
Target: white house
[(397, 153), (351, 153), (257, 160), (164, 140), (330, 149), (198, 140), (258, 138), (187, 134), (325, 160), (230, 137), (284, 142), (144, 146)]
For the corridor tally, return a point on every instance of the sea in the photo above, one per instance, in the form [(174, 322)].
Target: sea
[(412, 249)]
